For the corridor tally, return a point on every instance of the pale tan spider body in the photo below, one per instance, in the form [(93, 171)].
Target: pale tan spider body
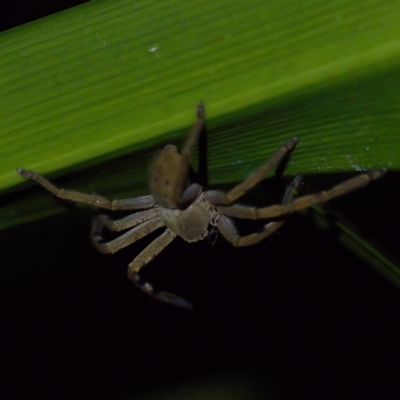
[(190, 224), (170, 187), (183, 209)]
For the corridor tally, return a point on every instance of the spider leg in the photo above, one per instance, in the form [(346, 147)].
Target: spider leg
[(218, 197), (193, 136), (182, 171), (133, 203), (127, 222), (246, 212), (151, 251), (228, 230), (125, 239)]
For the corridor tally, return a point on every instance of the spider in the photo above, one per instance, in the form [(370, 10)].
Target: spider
[(183, 209)]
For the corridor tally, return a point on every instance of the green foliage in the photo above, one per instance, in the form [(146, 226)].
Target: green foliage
[(88, 86)]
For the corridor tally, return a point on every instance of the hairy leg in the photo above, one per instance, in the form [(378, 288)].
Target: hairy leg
[(125, 239), (218, 197), (228, 230), (151, 251), (133, 203), (246, 212), (182, 171), (127, 222)]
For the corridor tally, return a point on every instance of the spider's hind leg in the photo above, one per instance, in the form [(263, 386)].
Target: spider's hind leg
[(130, 221), (166, 297), (127, 238), (228, 230), (151, 251)]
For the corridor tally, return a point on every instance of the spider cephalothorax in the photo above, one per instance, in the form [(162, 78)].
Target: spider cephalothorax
[(183, 209)]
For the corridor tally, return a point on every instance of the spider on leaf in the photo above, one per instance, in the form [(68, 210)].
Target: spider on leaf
[(183, 209)]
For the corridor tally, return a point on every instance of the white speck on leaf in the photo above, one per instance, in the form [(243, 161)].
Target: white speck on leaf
[(153, 49), (354, 165)]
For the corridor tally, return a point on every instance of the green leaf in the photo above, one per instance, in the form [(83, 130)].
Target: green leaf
[(107, 79)]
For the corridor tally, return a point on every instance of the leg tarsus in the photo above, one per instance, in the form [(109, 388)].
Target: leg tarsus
[(165, 297), (194, 134), (288, 196)]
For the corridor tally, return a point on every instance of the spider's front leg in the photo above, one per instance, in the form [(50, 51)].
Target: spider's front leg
[(221, 198), (133, 203), (228, 230), (151, 251), (246, 212)]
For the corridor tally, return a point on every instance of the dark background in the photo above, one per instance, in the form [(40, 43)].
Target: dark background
[(19, 12), (298, 314)]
